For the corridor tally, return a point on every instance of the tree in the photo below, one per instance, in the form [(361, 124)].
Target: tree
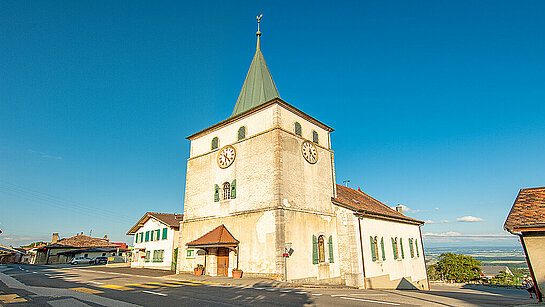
[(503, 278), (458, 267)]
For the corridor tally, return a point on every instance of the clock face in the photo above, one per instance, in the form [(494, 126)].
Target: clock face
[(226, 156), (310, 152)]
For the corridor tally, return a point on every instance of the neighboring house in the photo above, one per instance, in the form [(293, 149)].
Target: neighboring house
[(61, 251), (155, 241), (489, 271), (114, 254), (527, 220), (10, 255), (261, 186)]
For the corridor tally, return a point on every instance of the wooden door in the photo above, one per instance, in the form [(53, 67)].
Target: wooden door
[(223, 261)]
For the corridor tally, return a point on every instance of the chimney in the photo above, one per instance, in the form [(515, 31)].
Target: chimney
[(105, 237), (399, 209), (55, 238)]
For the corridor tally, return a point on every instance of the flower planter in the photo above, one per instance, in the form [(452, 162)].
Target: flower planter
[(198, 271), (237, 274)]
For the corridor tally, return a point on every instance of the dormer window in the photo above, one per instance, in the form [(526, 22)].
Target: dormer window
[(298, 129), (315, 137), (241, 133), (215, 143)]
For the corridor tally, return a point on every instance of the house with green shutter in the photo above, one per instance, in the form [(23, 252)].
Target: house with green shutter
[(156, 241), (261, 197)]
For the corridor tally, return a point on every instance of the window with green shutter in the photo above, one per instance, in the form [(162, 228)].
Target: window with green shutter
[(165, 233), (373, 251), (234, 189), (382, 248), (157, 234), (315, 137), (416, 247), (330, 248), (147, 236), (147, 256), (158, 255), (298, 129), (215, 143), (241, 133), (141, 237), (411, 247), (401, 247), (314, 250), (216, 193), (136, 238), (394, 249)]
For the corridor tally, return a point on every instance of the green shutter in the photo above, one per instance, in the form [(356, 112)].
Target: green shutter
[(330, 248), (416, 247), (234, 189), (157, 234), (165, 233), (141, 237), (382, 248), (373, 251), (147, 236), (216, 192), (314, 250), (411, 247), (394, 248), (136, 238), (401, 246), (147, 257)]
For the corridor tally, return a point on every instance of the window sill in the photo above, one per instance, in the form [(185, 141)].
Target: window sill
[(323, 264)]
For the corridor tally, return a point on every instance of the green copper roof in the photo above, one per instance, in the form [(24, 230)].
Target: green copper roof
[(258, 87)]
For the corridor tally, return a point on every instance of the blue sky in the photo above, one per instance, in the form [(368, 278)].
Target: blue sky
[(437, 105)]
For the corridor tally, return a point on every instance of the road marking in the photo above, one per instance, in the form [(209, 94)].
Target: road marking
[(141, 285), (116, 287), (34, 272), (301, 292), (156, 293), (286, 291), (335, 295), (11, 298), (181, 283), (87, 290), (369, 301), (317, 294), (272, 289), (47, 274), (163, 284), (96, 282)]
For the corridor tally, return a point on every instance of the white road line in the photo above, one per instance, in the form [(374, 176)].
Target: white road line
[(335, 295), (156, 293), (317, 294), (259, 288), (47, 274), (286, 291), (34, 272), (369, 301), (271, 289), (301, 292), (96, 282)]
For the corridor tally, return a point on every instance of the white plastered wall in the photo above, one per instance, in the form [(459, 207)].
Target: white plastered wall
[(168, 245)]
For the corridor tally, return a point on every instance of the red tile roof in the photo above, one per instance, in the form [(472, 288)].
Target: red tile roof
[(356, 200), (217, 236), (528, 210), (82, 241), (170, 219)]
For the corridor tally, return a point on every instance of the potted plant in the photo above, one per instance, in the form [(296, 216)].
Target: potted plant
[(199, 269), (237, 273)]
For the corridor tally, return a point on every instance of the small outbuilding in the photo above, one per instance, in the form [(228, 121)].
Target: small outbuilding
[(527, 220)]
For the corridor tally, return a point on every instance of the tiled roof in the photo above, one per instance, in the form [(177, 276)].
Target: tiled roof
[(528, 209), (169, 219), (217, 236), (357, 200), (81, 241)]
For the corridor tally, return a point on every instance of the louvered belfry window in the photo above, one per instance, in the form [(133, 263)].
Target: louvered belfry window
[(215, 143), (298, 129), (241, 133), (315, 137)]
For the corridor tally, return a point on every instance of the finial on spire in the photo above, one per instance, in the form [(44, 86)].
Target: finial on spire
[(258, 33)]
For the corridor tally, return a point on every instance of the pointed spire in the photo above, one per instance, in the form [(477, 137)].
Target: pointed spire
[(259, 86)]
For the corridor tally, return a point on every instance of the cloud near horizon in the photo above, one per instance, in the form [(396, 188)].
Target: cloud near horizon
[(436, 222), (406, 209), (469, 219)]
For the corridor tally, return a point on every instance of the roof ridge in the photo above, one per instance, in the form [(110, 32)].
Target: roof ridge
[(536, 188)]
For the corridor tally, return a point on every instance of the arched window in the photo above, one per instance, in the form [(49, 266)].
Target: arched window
[(321, 249), (215, 143), (315, 137), (298, 129), (226, 190)]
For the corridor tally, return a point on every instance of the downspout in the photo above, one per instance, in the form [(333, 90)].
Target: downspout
[(362, 257), (536, 287), (424, 257)]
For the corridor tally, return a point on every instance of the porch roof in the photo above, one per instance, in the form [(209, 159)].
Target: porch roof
[(218, 236)]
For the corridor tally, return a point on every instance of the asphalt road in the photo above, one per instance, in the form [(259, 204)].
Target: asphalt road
[(23, 285)]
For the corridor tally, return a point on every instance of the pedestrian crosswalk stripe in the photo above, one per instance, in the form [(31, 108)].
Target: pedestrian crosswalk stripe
[(199, 282), (140, 285), (116, 287), (87, 290), (181, 283)]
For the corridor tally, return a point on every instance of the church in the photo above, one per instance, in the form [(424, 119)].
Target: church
[(261, 197)]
